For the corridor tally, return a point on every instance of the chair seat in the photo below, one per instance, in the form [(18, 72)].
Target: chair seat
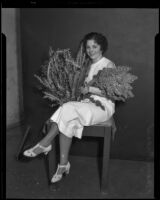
[(105, 123), (91, 131)]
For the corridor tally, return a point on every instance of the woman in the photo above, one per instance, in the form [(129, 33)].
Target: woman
[(71, 117)]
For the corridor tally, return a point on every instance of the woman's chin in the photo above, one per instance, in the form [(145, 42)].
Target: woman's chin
[(92, 58)]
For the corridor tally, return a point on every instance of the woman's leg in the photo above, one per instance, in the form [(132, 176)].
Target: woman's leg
[(53, 131), (46, 141), (65, 144)]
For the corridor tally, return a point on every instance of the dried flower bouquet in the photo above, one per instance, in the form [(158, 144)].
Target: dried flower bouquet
[(115, 83), (62, 77)]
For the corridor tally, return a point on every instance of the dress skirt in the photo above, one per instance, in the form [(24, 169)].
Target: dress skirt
[(72, 116)]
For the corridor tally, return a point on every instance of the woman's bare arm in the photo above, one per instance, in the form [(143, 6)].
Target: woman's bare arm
[(95, 90)]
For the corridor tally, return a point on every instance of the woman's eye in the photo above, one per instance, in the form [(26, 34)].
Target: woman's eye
[(94, 47)]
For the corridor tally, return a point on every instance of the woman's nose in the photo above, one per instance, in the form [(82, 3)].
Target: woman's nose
[(91, 50)]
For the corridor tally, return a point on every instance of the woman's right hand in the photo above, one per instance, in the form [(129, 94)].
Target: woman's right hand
[(84, 90), (95, 90)]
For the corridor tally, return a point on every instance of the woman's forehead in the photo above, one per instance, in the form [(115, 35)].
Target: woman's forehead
[(91, 42)]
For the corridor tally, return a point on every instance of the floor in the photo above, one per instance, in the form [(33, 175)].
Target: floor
[(127, 179)]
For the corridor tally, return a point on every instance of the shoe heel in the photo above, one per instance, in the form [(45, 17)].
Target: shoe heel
[(48, 150), (68, 168), (67, 172)]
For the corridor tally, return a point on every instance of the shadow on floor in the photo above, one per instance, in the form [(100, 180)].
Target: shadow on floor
[(127, 179)]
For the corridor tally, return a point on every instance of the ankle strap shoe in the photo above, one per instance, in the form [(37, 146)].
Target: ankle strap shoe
[(58, 176), (30, 152)]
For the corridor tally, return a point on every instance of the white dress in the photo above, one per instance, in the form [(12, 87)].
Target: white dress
[(72, 116)]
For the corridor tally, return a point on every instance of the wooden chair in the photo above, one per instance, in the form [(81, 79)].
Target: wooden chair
[(106, 130)]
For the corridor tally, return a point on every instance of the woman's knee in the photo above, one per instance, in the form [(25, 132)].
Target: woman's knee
[(54, 125)]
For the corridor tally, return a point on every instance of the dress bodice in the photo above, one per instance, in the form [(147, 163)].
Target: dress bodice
[(95, 67)]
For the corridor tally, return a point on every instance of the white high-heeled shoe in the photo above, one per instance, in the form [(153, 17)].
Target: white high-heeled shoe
[(57, 177), (30, 152)]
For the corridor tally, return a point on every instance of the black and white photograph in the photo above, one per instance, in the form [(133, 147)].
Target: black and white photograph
[(80, 98)]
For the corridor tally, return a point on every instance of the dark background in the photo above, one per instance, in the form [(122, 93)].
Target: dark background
[(131, 35)]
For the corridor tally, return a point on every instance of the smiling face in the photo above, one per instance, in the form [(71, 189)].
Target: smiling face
[(93, 50)]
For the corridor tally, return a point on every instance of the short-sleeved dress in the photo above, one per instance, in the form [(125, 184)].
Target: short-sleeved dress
[(72, 116)]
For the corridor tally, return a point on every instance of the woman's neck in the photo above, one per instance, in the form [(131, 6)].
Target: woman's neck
[(96, 60)]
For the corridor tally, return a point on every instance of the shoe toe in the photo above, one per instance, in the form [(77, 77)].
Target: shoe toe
[(28, 153), (56, 178), (25, 153)]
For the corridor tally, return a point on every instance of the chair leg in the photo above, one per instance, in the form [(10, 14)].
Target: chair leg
[(19, 154), (52, 161), (51, 166), (106, 155)]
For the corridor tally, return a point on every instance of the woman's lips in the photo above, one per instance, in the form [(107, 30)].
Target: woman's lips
[(91, 54)]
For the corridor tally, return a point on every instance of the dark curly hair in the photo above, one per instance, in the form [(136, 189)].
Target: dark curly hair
[(98, 38)]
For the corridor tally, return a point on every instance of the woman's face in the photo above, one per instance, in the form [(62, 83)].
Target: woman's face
[(93, 50)]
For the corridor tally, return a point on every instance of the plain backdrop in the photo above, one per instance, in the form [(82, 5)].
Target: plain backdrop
[(131, 35)]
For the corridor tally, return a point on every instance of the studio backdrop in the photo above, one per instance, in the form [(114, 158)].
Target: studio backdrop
[(131, 37)]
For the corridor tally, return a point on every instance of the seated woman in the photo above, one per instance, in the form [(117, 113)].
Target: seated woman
[(70, 118)]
